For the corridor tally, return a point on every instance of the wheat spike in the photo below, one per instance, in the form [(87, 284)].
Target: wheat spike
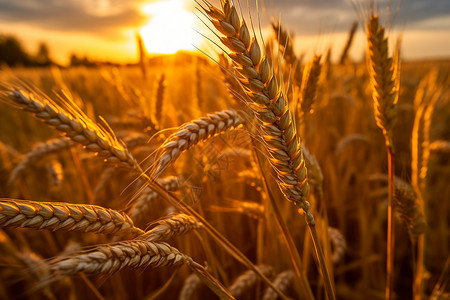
[(190, 286), (70, 120), (285, 42), (247, 280), (39, 152), (339, 244), (351, 35), (65, 216), (265, 97), (171, 226), (310, 83), (282, 282), (110, 258), (191, 133), (384, 78), (409, 209)]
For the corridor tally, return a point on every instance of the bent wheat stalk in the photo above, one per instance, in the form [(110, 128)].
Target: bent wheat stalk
[(67, 118), (65, 216)]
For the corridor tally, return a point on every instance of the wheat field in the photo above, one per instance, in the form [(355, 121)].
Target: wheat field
[(256, 175)]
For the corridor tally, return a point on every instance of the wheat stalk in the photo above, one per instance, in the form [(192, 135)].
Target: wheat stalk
[(65, 216), (147, 196), (190, 134), (70, 120), (39, 152), (110, 258), (384, 79)]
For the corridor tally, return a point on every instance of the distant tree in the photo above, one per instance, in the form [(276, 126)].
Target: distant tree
[(43, 55), (84, 61), (12, 53)]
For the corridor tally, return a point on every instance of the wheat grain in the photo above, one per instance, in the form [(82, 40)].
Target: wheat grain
[(65, 216)]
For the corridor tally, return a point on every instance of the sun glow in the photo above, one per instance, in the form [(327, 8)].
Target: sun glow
[(170, 27)]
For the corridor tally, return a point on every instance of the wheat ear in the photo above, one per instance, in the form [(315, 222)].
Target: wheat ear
[(285, 42), (191, 133), (190, 285), (282, 281), (409, 208), (348, 44), (110, 258), (339, 244), (171, 226), (310, 83), (384, 78), (65, 216), (247, 280), (267, 101), (38, 152), (70, 120)]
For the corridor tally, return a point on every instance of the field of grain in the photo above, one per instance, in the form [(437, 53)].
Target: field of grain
[(182, 178)]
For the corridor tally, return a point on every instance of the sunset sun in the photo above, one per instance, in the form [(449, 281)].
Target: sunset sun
[(170, 28)]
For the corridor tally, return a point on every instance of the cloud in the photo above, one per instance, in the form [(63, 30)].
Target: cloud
[(96, 17)]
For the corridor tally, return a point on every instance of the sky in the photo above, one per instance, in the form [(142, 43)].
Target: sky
[(106, 29)]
